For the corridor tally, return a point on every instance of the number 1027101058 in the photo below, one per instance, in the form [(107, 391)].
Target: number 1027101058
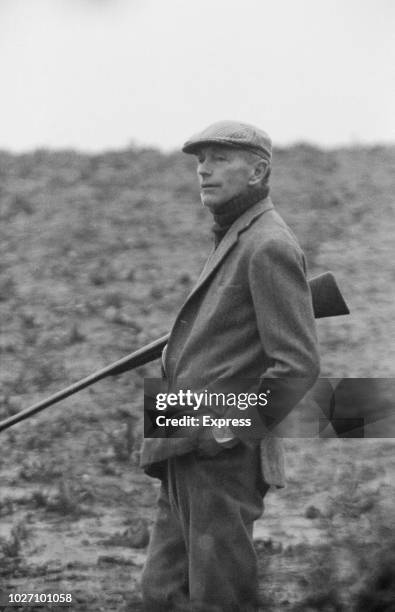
[(30, 599)]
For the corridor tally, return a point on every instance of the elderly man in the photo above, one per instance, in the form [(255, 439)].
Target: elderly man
[(249, 318)]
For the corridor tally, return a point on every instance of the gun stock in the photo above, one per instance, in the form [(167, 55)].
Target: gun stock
[(327, 298)]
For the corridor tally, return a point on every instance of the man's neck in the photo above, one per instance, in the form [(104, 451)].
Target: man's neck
[(227, 213)]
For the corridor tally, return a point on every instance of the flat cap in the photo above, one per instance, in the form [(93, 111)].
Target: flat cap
[(233, 134)]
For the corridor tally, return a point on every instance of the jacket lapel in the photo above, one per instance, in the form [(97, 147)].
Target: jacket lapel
[(217, 256), (229, 240)]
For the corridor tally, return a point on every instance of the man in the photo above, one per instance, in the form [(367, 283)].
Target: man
[(249, 318)]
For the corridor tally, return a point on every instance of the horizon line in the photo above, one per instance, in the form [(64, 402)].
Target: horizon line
[(139, 146)]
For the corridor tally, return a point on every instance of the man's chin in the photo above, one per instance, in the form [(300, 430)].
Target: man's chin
[(210, 202)]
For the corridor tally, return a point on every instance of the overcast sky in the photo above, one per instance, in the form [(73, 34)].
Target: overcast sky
[(95, 74)]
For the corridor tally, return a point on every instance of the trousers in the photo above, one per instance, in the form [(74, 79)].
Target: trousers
[(201, 556)]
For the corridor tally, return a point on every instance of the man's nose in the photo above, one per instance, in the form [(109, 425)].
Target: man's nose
[(204, 169)]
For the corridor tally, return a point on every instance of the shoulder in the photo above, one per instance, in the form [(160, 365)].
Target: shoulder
[(269, 235)]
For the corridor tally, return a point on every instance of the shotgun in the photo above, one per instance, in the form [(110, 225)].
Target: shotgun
[(327, 302)]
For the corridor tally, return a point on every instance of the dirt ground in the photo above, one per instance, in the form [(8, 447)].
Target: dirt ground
[(97, 254)]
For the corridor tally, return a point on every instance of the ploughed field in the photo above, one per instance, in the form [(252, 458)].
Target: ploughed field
[(97, 254)]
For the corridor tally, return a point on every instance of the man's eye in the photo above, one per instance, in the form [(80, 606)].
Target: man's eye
[(221, 157)]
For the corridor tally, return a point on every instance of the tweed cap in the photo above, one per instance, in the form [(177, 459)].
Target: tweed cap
[(233, 134)]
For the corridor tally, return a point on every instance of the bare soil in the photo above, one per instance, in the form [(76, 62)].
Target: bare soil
[(97, 254)]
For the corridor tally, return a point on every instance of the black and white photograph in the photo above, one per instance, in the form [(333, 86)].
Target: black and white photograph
[(197, 296)]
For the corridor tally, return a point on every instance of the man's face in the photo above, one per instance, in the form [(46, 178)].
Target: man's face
[(223, 174)]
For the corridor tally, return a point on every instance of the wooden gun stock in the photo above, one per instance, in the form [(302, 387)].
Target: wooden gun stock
[(327, 298)]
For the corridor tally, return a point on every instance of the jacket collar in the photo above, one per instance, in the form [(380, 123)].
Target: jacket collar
[(231, 237)]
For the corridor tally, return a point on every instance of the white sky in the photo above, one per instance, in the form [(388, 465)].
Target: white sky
[(96, 74)]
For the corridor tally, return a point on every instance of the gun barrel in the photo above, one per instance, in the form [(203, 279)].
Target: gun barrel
[(140, 357)]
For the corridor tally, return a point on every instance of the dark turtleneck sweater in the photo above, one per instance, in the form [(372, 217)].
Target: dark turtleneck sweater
[(227, 213)]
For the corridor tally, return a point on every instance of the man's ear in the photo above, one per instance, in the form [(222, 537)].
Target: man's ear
[(259, 172)]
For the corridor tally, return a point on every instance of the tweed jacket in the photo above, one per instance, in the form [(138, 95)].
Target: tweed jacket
[(249, 316)]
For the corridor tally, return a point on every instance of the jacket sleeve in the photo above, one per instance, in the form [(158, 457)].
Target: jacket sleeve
[(285, 320)]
